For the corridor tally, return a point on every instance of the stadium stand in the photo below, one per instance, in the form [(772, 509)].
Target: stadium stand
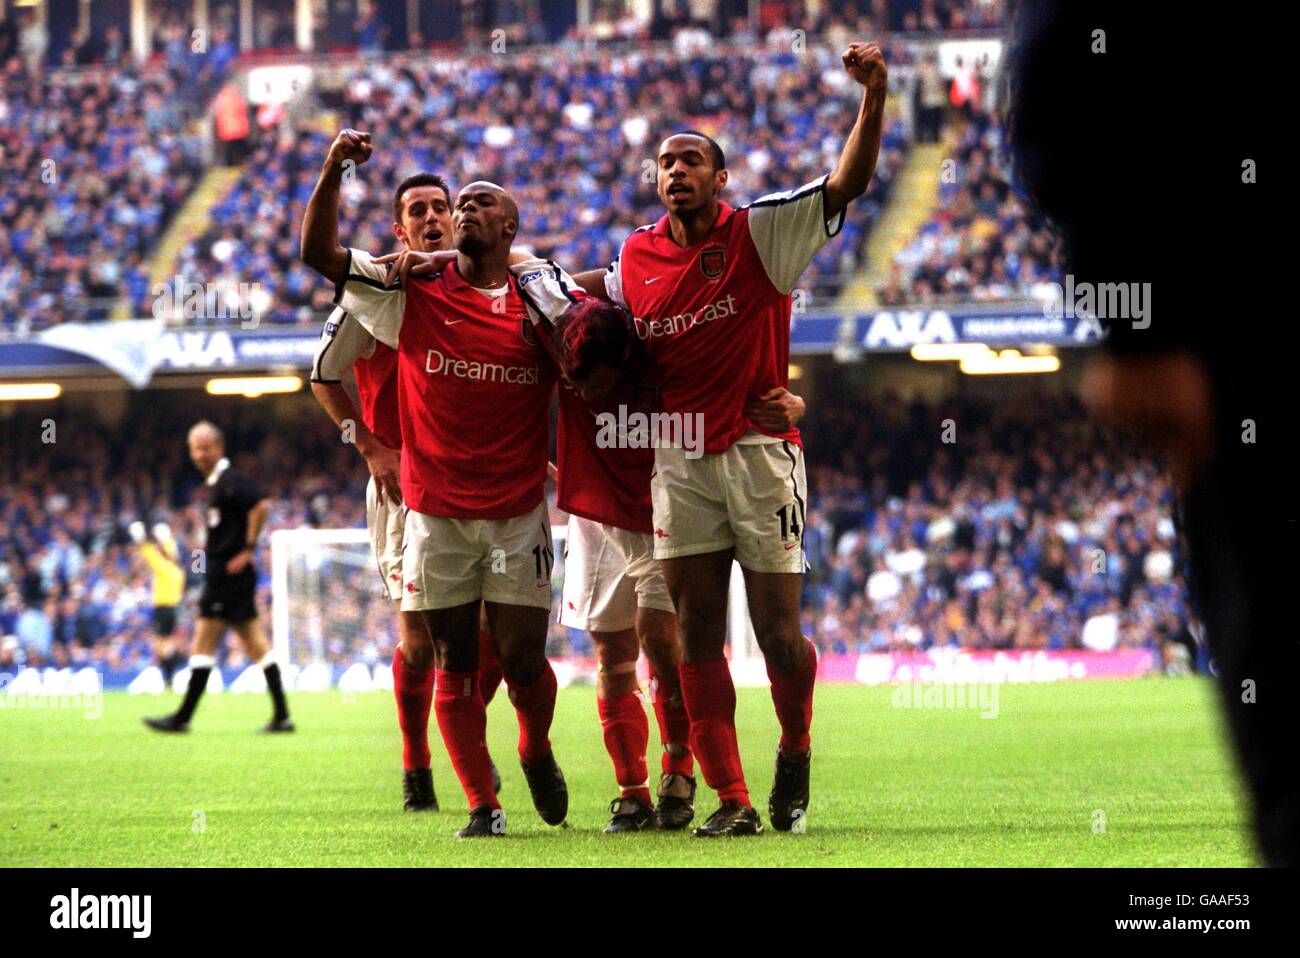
[(97, 162), (981, 243), (97, 207), (1037, 531), (571, 138)]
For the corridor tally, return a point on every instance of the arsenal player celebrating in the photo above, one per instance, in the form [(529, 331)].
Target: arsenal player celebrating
[(710, 287), (474, 395), (422, 221), (613, 586)]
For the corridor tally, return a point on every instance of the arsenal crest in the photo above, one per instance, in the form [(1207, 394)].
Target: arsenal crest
[(530, 335), (712, 261)]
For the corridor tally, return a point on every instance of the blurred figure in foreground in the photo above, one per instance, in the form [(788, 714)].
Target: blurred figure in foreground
[(1155, 187)]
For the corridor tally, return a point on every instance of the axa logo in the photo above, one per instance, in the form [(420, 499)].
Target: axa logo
[(77, 911), (908, 328), (194, 349)]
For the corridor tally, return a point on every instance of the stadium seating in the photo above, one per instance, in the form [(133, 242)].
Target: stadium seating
[(96, 163), (572, 138), (981, 244), (1047, 524)]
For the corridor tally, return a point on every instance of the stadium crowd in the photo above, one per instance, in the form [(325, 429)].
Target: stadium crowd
[(574, 139), (171, 25), (982, 242), (1032, 530), (96, 164), (103, 156)]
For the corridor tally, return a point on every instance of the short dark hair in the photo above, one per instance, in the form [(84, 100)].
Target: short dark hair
[(719, 158), (411, 182), (593, 332)]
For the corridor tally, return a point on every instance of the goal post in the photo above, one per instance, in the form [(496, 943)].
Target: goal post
[(330, 612), (306, 564)]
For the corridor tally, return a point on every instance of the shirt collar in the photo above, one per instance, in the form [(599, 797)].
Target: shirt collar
[(217, 470), (451, 276), (725, 213)]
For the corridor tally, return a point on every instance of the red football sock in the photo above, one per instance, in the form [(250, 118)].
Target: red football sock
[(627, 733), (710, 699), (413, 689), (792, 694), (463, 723), (489, 668), (535, 707), (674, 729)]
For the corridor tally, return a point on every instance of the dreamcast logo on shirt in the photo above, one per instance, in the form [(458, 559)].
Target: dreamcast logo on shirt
[(436, 362), (672, 325)]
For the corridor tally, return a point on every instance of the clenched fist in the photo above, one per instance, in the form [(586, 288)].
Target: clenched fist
[(350, 145), (866, 64)]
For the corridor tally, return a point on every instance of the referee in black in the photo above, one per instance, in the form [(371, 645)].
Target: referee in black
[(236, 511)]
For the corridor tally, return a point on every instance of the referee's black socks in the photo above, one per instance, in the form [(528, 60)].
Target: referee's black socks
[(200, 669), (275, 686)]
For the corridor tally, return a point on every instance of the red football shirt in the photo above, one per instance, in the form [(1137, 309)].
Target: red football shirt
[(715, 317), (604, 455), (474, 390), (345, 344)]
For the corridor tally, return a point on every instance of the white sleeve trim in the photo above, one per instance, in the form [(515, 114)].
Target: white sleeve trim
[(546, 289), (788, 229), (342, 342), (363, 295), (614, 281)]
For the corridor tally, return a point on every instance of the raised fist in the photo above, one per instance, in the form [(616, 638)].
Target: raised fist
[(866, 64), (350, 145)]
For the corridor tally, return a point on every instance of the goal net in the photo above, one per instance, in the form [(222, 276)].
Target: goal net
[(333, 624)]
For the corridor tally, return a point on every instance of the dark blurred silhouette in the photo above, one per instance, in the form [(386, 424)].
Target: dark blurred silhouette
[(1136, 153)]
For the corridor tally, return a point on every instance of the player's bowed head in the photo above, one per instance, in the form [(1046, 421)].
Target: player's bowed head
[(593, 340)]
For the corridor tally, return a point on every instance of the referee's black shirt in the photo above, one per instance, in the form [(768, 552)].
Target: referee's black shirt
[(230, 498)]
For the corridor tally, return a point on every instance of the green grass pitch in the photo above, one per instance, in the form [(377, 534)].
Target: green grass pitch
[(1132, 773)]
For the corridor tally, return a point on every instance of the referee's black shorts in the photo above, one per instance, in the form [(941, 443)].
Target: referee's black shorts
[(230, 598), (164, 620)]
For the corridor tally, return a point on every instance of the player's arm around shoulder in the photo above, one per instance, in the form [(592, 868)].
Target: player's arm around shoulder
[(343, 341), (546, 289), (370, 294)]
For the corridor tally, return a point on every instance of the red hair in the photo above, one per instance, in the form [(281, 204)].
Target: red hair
[(593, 332)]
